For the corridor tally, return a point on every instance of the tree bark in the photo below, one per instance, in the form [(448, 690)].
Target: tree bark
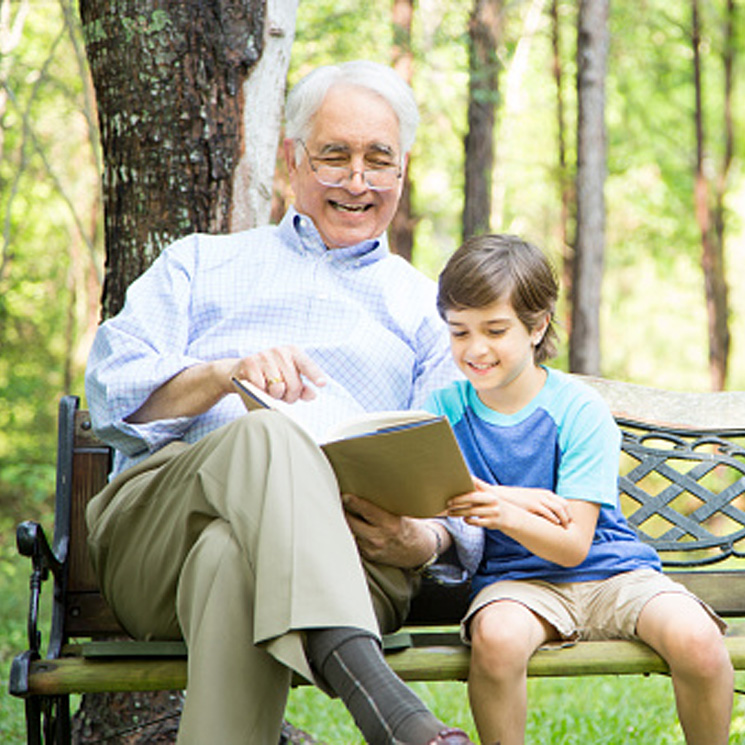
[(710, 217), (592, 53), (563, 178), (169, 84), (484, 29), (401, 230), (189, 96)]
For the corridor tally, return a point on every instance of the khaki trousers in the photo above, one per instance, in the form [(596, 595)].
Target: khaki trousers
[(237, 543)]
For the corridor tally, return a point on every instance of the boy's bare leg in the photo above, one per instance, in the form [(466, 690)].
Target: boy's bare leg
[(684, 634), (504, 635)]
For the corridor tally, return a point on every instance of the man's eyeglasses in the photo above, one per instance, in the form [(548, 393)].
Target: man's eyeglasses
[(376, 178)]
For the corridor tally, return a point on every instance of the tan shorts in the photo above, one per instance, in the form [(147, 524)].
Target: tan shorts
[(603, 609)]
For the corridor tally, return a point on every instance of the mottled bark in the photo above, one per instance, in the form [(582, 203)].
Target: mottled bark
[(169, 83)]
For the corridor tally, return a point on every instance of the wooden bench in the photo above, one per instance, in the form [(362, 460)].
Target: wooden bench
[(682, 486)]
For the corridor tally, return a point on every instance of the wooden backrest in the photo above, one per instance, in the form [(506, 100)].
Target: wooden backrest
[(82, 470)]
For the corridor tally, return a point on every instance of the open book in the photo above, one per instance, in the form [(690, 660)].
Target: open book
[(407, 462)]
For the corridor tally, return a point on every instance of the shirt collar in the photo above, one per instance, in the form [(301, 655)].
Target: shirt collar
[(299, 231)]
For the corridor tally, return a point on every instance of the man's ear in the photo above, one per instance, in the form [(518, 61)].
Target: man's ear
[(404, 166), (289, 151)]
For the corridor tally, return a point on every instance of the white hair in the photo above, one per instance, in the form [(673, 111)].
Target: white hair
[(307, 95)]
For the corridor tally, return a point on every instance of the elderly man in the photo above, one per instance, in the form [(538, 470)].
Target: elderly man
[(226, 528)]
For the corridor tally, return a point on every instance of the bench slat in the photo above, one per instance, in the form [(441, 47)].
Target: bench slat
[(431, 663)]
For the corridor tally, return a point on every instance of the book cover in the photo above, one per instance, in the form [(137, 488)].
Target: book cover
[(407, 462)]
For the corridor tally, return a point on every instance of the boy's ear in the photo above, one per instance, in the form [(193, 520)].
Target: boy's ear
[(539, 330)]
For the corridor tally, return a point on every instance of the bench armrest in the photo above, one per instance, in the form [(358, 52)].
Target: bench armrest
[(32, 542)]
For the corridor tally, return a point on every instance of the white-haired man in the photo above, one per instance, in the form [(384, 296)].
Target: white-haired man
[(225, 528)]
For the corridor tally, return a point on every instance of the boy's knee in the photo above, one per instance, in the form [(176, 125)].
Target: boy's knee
[(499, 646), (698, 651)]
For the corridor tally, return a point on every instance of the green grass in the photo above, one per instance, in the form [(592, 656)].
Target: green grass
[(563, 711), (610, 710)]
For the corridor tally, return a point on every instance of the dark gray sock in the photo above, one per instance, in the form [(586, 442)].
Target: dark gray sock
[(385, 709)]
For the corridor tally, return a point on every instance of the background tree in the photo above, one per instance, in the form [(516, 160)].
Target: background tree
[(563, 171), (50, 261), (401, 231), (484, 30), (189, 102), (710, 213), (592, 52)]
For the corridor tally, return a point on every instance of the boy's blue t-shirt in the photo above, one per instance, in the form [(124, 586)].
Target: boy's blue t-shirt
[(564, 440)]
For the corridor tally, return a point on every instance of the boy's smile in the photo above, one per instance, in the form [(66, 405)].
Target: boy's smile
[(495, 351)]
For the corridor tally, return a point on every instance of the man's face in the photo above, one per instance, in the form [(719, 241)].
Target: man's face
[(356, 127)]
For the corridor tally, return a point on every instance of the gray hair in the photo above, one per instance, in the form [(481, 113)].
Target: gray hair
[(307, 95)]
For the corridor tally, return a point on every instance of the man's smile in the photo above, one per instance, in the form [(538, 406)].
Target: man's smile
[(342, 207)]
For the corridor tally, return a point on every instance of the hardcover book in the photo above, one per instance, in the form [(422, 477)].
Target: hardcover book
[(407, 462)]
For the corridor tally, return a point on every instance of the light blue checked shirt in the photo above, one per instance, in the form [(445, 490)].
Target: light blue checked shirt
[(365, 316)]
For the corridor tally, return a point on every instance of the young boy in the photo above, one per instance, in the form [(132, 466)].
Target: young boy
[(556, 559)]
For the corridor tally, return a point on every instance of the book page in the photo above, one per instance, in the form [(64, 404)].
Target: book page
[(375, 421)]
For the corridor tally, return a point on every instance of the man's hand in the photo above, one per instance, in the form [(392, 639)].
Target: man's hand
[(283, 372), (382, 537)]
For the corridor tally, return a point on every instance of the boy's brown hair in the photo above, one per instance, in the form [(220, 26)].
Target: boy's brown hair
[(490, 268)]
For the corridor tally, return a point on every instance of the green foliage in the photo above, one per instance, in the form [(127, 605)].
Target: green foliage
[(49, 212)]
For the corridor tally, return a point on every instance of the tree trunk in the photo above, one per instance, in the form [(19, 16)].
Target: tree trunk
[(563, 178), (711, 218), (592, 53), (484, 30), (189, 96), (401, 230), (169, 80)]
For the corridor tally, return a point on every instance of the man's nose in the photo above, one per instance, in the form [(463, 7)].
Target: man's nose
[(356, 183)]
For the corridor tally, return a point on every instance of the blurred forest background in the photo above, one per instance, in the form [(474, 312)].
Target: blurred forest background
[(674, 114), (653, 307)]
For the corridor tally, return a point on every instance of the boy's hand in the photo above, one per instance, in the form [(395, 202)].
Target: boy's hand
[(484, 507), (490, 505), (541, 502)]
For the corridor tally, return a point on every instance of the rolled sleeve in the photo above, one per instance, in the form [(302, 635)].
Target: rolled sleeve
[(462, 561)]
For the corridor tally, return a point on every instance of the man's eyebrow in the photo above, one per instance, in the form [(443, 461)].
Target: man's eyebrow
[(379, 147), (334, 148)]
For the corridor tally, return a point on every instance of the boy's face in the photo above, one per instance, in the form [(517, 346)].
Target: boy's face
[(495, 351)]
